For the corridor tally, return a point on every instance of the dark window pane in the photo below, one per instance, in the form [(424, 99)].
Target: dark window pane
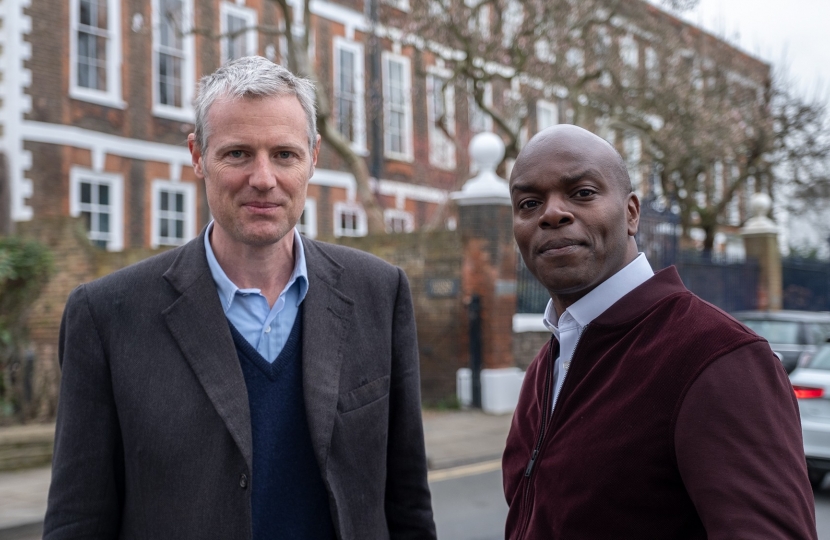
[(104, 195), (165, 231), (179, 202), (104, 223), (100, 243), (86, 12), (179, 228), (86, 193), (164, 204), (86, 217)]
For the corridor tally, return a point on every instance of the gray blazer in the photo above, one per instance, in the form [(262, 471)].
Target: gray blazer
[(153, 437)]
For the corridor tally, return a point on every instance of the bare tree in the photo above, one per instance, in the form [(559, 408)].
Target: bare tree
[(706, 121)]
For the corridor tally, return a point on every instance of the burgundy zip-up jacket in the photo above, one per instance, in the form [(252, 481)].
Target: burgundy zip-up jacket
[(674, 422)]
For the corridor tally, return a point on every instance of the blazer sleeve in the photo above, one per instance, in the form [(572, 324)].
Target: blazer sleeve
[(408, 504), (87, 464), (739, 450)]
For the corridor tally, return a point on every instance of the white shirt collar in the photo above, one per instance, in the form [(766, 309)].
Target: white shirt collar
[(605, 295)]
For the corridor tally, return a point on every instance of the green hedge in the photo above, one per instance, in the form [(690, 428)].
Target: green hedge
[(25, 267)]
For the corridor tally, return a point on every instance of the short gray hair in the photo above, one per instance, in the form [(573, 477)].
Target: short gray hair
[(252, 76)]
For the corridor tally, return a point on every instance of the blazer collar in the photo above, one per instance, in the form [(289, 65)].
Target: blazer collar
[(327, 317), (197, 322)]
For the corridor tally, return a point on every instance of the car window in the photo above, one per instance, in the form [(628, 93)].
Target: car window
[(822, 359), (821, 333), (775, 331)]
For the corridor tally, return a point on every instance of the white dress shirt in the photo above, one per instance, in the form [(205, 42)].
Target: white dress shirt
[(574, 320)]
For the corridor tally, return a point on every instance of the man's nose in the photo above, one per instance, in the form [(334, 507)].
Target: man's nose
[(262, 176), (555, 213)]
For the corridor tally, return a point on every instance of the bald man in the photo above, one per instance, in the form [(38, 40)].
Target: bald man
[(650, 413)]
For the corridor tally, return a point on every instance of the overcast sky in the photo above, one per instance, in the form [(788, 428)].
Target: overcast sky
[(796, 32)]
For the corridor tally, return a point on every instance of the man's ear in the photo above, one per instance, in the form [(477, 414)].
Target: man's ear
[(632, 206), (316, 151), (195, 155)]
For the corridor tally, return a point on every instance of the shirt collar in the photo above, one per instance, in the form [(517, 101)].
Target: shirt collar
[(227, 289), (605, 295)]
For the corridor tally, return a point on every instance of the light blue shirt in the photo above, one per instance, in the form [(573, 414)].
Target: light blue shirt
[(265, 328)]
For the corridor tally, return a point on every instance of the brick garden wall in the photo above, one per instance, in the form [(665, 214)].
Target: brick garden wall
[(76, 261), (432, 262)]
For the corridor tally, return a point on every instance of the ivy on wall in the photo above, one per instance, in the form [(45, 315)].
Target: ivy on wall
[(25, 267)]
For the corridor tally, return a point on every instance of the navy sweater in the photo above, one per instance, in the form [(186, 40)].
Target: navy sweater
[(288, 497)]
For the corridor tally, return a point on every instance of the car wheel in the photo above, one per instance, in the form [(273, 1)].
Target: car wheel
[(816, 477)]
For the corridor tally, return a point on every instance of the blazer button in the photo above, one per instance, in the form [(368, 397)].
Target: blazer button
[(243, 481)]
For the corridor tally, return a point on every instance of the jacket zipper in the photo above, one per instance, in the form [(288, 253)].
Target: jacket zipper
[(548, 412)]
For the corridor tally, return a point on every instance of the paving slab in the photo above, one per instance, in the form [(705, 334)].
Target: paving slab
[(455, 438), (23, 497)]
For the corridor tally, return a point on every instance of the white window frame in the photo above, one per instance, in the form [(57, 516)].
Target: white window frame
[(359, 125), (391, 214), (361, 228), (474, 111), (110, 97), (633, 149), (309, 229), (406, 83), (79, 175), (402, 5), (188, 190), (512, 20), (651, 63), (442, 150), (546, 108), (185, 111), (226, 9)]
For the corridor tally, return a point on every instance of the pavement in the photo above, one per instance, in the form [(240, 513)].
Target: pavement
[(455, 441)]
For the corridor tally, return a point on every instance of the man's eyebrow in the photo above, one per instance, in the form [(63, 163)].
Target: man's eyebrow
[(569, 179)]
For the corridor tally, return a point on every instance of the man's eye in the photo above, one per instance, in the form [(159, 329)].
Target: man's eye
[(528, 204), (584, 192), (236, 154), (285, 154)]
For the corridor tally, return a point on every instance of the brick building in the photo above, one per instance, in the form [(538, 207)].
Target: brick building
[(97, 106)]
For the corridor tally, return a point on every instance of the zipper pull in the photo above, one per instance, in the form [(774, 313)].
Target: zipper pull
[(532, 461)]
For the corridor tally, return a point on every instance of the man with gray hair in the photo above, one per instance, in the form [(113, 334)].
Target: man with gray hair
[(251, 383)]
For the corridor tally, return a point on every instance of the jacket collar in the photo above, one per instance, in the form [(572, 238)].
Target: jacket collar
[(639, 301), (198, 324), (327, 317)]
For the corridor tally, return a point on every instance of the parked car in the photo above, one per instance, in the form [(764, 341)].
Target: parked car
[(811, 384), (793, 335)]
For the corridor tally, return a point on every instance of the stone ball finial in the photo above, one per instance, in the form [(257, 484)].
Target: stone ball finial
[(759, 223), (486, 151), (760, 203)]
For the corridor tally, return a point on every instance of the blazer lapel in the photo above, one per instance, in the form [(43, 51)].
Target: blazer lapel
[(197, 322), (327, 316)]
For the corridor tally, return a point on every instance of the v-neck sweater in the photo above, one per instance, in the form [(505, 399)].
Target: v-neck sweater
[(288, 496)]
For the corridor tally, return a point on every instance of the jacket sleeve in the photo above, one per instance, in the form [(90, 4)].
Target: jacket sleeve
[(87, 464), (408, 505), (739, 449)]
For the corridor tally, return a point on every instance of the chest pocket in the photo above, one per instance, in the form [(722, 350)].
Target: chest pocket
[(364, 395)]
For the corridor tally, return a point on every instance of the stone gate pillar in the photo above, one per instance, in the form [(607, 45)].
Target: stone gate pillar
[(760, 236), (489, 270)]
